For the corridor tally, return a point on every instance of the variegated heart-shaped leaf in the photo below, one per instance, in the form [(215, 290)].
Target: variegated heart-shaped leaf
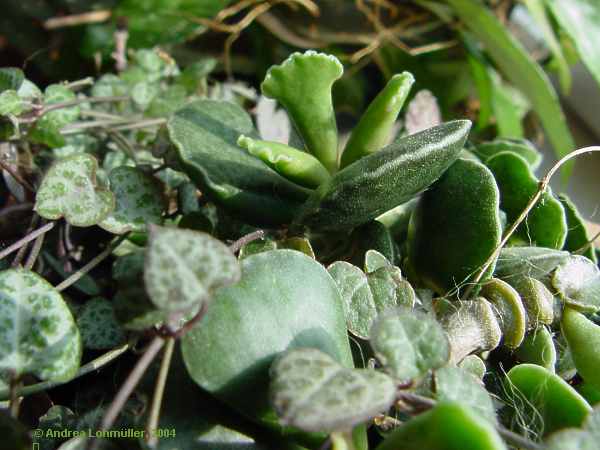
[(139, 201), (98, 325), (69, 190), (37, 331), (184, 267), (313, 392)]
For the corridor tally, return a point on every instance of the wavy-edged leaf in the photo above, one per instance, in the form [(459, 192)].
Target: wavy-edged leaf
[(521, 147), (515, 263), (184, 268), (537, 300), (583, 338), (139, 201), (546, 224), (520, 68), (463, 203), (374, 127), (447, 426), (205, 134), (284, 300), (69, 190), (409, 343), (37, 332), (577, 236), (578, 283), (302, 84), (509, 309), (312, 391), (385, 179)]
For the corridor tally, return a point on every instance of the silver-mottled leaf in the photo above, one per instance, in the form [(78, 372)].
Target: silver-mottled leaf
[(313, 392), (69, 190), (184, 267), (37, 331), (98, 326), (139, 201), (409, 343)]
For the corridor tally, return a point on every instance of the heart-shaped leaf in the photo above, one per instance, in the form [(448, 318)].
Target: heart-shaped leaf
[(538, 348), (583, 338), (521, 147), (183, 268), (458, 385), (409, 343), (558, 404), (69, 190), (38, 333), (385, 179), (98, 326), (447, 426), (47, 128), (205, 135), (463, 203), (10, 78), (312, 391), (546, 224), (366, 295), (577, 236), (509, 309), (284, 300), (139, 201), (373, 130), (302, 84), (578, 283)]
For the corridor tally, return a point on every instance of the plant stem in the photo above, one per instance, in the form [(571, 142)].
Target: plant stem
[(25, 240), (75, 276), (15, 208), (424, 403), (79, 101), (127, 388), (18, 178), (93, 365), (21, 253), (543, 185), (13, 405), (254, 236), (35, 251), (159, 390)]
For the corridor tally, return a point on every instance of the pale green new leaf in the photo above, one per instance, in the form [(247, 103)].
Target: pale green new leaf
[(139, 201), (69, 190), (313, 392), (578, 283), (183, 268), (37, 331)]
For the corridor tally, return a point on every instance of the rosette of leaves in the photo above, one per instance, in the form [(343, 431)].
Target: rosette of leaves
[(316, 185)]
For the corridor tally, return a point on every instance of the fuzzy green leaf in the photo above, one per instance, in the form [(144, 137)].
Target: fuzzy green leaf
[(578, 283), (537, 300), (302, 84), (515, 263), (373, 130), (139, 201), (577, 236), (509, 308), (183, 268), (312, 391), (463, 203), (546, 224), (385, 179), (69, 190), (538, 348), (521, 147), (583, 337), (205, 135), (37, 331), (409, 343)]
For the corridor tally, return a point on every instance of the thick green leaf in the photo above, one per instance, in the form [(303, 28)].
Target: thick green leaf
[(313, 392), (448, 426), (98, 326), (581, 19), (538, 348), (474, 365), (373, 130), (69, 190), (184, 268), (284, 300), (521, 147), (205, 134), (296, 165), (509, 309), (577, 236), (37, 331), (139, 201), (519, 67), (571, 439), (457, 385), (578, 283), (464, 204), (537, 300), (302, 84), (546, 224), (385, 179), (10, 78), (583, 337), (559, 405), (409, 343), (516, 263)]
